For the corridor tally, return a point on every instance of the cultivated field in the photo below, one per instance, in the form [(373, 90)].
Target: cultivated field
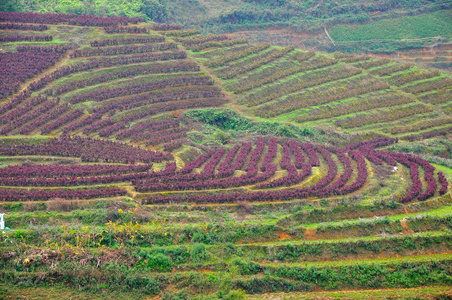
[(142, 160)]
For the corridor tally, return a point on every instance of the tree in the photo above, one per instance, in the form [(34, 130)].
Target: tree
[(11, 5), (154, 10)]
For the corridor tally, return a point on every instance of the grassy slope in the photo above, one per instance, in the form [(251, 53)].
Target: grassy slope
[(437, 24)]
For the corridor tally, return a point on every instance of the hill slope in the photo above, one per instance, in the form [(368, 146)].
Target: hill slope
[(356, 26), (142, 159)]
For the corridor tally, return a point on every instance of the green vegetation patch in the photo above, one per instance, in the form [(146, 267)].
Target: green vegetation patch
[(229, 120), (428, 25)]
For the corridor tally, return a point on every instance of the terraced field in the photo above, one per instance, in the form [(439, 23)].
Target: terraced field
[(351, 93), (142, 160)]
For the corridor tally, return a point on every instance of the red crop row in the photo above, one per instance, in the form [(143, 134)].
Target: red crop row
[(261, 196), (252, 63), (48, 116), (171, 178), (181, 33), (104, 63), (343, 178), (170, 170), (426, 86), (311, 98), (96, 126), (437, 97), (155, 136), (292, 177), (73, 180), (385, 71), (203, 39), (271, 153), (164, 27), (443, 181), (172, 106), (189, 92), (416, 186), (120, 29), (424, 124), (312, 154), (151, 126), (331, 173), (303, 56), (386, 157), (325, 187), (428, 177), (207, 178), (130, 72), (311, 79), (220, 44), (35, 195), (151, 133), (51, 171), (17, 67), (352, 106), (389, 115), (60, 121), (371, 144), (298, 156), (198, 162), (355, 59), (164, 136), (427, 135), (206, 183), (30, 115), (149, 111), (404, 78), (221, 61), (88, 149), (109, 130), (23, 26), (57, 48), (412, 162), (182, 176), (20, 98), (252, 166), (81, 20), (226, 168), (372, 64), (127, 49), (241, 157), (173, 145), (124, 41), (25, 38), (209, 168), (14, 114), (82, 123), (263, 77), (140, 88), (361, 177)]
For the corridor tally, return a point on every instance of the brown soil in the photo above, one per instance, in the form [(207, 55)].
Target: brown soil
[(283, 235), (406, 227), (310, 234)]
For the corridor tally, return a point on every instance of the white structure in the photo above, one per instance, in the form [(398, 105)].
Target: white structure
[(2, 221)]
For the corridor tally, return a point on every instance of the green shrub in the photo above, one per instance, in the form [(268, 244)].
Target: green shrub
[(160, 262), (198, 253), (247, 267), (235, 295)]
